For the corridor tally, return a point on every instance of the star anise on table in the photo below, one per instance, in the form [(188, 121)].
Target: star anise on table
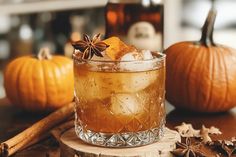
[(224, 146), (90, 47), (188, 149)]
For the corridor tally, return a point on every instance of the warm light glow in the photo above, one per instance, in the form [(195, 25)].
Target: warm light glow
[(156, 1), (75, 36), (25, 32), (146, 3), (112, 17)]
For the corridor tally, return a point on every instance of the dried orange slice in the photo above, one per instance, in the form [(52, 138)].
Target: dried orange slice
[(117, 48)]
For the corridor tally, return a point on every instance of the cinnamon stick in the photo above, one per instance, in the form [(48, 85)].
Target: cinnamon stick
[(36, 132)]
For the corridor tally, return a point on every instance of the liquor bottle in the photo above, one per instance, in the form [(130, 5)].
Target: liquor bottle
[(21, 38), (137, 22)]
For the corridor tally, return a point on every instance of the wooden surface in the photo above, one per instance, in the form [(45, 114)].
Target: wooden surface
[(12, 121), (72, 146)]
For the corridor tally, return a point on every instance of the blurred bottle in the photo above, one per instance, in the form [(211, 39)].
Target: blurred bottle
[(4, 43), (43, 32), (22, 38), (137, 22), (77, 23)]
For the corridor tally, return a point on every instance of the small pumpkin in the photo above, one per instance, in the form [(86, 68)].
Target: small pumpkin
[(41, 83), (201, 75)]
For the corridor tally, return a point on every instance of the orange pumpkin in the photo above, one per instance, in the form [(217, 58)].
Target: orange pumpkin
[(201, 76), (39, 83)]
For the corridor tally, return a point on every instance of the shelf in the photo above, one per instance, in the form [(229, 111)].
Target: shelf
[(48, 5)]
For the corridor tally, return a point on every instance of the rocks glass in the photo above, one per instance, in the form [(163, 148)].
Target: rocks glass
[(120, 103)]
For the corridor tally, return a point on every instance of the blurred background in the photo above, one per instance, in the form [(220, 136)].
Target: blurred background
[(28, 25)]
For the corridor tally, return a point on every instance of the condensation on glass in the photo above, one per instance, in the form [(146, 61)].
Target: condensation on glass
[(118, 106)]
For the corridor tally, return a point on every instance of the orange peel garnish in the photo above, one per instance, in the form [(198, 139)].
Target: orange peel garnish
[(117, 48)]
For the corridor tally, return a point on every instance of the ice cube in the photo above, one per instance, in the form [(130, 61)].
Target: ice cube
[(96, 86), (137, 81), (136, 55), (146, 54), (136, 66), (130, 66), (125, 104), (100, 85), (132, 56), (91, 87)]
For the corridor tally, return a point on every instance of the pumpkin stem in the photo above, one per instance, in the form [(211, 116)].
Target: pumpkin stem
[(207, 29), (44, 53)]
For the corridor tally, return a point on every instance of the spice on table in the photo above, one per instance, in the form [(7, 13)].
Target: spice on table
[(227, 147), (206, 131), (37, 131), (187, 130), (188, 149)]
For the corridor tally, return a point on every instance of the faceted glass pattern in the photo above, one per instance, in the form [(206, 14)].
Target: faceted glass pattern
[(117, 107)]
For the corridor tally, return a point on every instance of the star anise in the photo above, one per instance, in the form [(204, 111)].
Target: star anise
[(187, 149), (90, 47), (224, 146)]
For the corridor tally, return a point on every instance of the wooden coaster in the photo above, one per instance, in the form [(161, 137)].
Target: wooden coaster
[(72, 146)]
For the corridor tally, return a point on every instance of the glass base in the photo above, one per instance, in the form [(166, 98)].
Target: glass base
[(128, 139)]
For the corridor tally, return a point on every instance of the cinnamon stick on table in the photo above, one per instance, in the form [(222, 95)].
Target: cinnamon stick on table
[(36, 132)]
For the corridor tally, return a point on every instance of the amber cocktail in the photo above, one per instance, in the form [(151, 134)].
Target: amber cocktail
[(120, 103)]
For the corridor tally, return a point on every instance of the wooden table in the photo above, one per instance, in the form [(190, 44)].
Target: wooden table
[(12, 121)]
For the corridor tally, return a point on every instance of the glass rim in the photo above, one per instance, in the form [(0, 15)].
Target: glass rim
[(160, 58)]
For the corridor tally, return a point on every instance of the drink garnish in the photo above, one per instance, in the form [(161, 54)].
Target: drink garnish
[(90, 47), (117, 48)]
